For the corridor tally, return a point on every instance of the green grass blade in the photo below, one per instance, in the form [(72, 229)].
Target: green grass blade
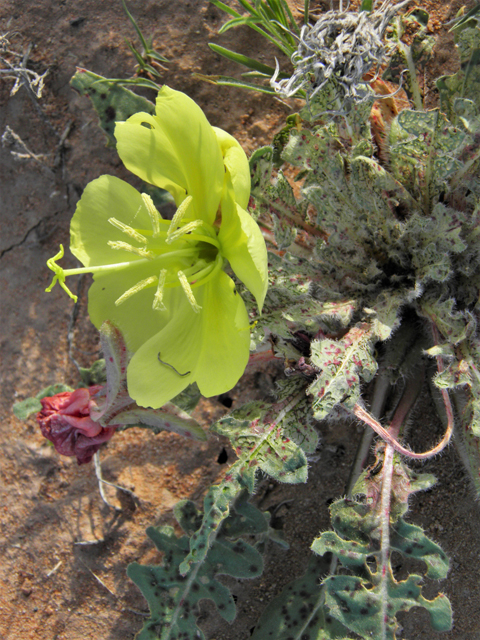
[(461, 21), (226, 81), (238, 22), (278, 11), (226, 8), (306, 11), (291, 20), (251, 63), (157, 56), (135, 25), (248, 7), (266, 12), (138, 57)]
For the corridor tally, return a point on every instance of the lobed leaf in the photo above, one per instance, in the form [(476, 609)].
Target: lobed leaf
[(173, 597), (25, 408), (465, 83), (367, 600), (341, 364), (298, 612)]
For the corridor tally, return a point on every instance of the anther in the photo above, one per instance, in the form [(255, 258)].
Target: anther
[(143, 284), (124, 246), (155, 216), (187, 228), (188, 291), (158, 304), (179, 213), (130, 231)]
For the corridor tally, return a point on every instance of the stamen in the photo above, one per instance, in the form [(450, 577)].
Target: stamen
[(130, 231), (202, 277), (124, 246), (158, 304), (154, 214), (188, 291), (188, 228), (179, 213), (143, 284)]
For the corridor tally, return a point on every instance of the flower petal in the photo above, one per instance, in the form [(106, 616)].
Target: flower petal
[(213, 346), (236, 162), (243, 245), (90, 230), (176, 150)]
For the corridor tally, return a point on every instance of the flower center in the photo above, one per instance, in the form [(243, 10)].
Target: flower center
[(182, 253)]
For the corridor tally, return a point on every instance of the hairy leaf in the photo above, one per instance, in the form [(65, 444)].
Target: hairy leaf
[(423, 152), (367, 600), (173, 597), (25, 408), (465, 83), (341, 364), (298, 612)]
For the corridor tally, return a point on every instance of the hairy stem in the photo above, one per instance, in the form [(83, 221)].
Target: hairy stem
[(382, 386)]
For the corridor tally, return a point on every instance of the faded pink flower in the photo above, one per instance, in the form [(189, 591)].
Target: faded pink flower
[(65, 421)]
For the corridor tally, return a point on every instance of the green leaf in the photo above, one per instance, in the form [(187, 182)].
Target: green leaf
[(465, 83), (52, 390), (188, 398), (172, 597), (465, 19), (251, 63), (96, 374), (217, 504), (423, 152), (259, 440), (298, 612), (368, 599), (227, 81), (453, 325), (341, 364), (111, 101), (360, 609), (25, 408)]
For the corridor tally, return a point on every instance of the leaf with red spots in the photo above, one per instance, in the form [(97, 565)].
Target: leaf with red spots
[(341, 365)]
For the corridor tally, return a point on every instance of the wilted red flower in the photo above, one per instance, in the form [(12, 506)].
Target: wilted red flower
[(65, 421)]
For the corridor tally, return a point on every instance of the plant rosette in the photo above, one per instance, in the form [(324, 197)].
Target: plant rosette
[(163, 282)]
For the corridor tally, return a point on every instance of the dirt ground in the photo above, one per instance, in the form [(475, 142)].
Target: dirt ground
[(64, 552)]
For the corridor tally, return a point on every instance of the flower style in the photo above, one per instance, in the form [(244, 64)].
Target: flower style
[(162, 282), (65, 421)]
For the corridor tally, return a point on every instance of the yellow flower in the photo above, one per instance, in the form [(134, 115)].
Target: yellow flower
[(162, 282)]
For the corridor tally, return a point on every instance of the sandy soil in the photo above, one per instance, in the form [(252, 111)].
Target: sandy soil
[(64, 553)]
